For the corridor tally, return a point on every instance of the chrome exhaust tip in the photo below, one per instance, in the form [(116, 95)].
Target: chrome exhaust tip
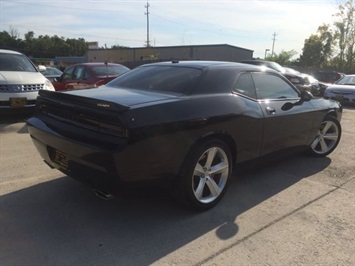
[(103, 195)]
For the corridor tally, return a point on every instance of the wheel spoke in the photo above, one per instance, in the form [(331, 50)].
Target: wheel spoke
[(213, 187), (327, 126), (199, 170), (324, 146), (219, 168), (331, 136), (210, 156), (199, 190), (315, 143)]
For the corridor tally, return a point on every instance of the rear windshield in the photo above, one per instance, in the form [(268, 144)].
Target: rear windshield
[(15, 62), (109, 70), (159, 78)]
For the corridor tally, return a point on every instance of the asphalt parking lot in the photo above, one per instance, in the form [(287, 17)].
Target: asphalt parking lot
[(296, 211)]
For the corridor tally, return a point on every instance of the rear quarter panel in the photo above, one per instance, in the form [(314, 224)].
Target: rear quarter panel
[(161, 135)]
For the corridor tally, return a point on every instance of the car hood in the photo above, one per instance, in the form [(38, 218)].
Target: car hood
[(11, 77), (122, 96)]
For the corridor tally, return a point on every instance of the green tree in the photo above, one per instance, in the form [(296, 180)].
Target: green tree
[(345, 33), (318, 48), (283, 58), (44, 46)]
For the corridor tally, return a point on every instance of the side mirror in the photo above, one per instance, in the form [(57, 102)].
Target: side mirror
[(41, 68), (306, 96)]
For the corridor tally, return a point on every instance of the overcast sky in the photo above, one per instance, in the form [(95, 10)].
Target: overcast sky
[(244, 23)]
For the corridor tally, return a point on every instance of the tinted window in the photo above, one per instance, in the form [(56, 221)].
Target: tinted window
[(68, 74), (245, 85), (79, 73), (109, 70), (217, 80), (159, 78), (272, 87), (14, 62)]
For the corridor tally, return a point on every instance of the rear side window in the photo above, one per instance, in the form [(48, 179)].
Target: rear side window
[(272, 87), (159, 78), (245, 85), (80, 73)]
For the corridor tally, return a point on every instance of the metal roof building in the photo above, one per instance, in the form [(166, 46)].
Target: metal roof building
[(136, 56)]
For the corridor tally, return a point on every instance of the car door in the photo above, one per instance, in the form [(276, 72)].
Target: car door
[(81, 80), (250, 123), (283, 127), (65, 79)]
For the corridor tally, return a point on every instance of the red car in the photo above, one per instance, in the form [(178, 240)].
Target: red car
[(88, 75)]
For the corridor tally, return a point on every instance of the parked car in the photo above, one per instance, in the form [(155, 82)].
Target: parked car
[(88, 75), (184, 123), (328, 76), (20, 80), (310, 83), (343, 90), (52, 73), (300, 80)]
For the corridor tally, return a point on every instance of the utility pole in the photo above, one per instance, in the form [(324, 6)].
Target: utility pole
[(273, 43), (147, 14)]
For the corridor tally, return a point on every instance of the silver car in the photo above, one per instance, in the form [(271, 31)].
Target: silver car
[(20, 81), (342, 90)]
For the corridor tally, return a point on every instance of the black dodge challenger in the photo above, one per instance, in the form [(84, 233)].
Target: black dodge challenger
[(185, 122)]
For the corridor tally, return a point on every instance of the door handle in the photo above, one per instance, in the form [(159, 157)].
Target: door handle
[(270, 110)]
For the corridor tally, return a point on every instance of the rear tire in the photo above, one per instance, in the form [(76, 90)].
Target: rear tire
[(205, 175), (327, 138)]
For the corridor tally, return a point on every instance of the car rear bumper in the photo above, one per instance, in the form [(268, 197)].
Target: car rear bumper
[(92, 166), (104, 168)]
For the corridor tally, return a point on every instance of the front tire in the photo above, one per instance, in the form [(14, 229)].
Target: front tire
[(327, 138), (205, 175)]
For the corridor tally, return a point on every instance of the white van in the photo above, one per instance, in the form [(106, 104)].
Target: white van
[(20, 80)]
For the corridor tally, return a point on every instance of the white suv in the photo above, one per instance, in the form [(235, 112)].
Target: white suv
[(20, 80)]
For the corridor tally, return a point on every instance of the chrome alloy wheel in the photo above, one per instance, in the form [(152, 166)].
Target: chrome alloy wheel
[(210, 175), (327, 138)]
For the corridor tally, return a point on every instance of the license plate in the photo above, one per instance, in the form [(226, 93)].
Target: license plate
[(18, 102), (61, 159)]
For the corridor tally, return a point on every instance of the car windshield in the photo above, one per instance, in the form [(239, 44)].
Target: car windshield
[(346, 80), (109, 70), (16, 62), (159, 78)]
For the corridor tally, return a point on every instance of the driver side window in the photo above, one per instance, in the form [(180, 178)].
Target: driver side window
[(68, 74), (270, 86)]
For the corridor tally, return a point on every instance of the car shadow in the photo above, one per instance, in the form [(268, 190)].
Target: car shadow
[(61, 222)]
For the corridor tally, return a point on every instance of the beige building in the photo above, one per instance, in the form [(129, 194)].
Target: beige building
[(137, 56)]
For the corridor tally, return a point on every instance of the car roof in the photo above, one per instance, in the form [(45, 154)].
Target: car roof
[(5, 51), (206, 64), (254, 61), (96, 64)]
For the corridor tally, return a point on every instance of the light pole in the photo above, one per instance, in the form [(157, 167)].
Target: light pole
[(266, 50)]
